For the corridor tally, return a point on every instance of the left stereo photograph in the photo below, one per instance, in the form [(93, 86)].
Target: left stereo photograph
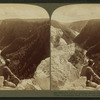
[(24, 47)]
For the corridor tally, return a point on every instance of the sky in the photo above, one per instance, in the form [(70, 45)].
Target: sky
[(76, 12), (23, 11)]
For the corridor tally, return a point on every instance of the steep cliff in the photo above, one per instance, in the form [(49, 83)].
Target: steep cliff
[(62, 70), (26, 43)]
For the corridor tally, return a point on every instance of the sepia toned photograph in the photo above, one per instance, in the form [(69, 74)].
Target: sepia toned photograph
[(24, 47), (75, 47)]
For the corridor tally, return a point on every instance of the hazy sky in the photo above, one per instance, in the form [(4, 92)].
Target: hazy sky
[(23, 11), (76, 12)]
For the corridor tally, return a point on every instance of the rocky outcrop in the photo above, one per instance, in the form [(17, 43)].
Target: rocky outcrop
[(62, 70), (28, 84), (56, 35), (42, 74)]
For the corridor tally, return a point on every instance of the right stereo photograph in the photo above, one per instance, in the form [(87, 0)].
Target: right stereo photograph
[(75, 47)]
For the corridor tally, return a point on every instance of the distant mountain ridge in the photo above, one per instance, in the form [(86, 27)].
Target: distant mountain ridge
[(78, 25)]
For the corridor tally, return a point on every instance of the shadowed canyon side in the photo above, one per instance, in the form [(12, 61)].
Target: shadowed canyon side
[(89, 36), (26, 46), (89, 39), (26, 42)]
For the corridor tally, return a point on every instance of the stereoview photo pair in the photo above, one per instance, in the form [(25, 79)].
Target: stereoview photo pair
[(37, 53)]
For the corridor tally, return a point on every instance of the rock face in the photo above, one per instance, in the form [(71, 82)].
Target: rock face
[(40, 80), (42, 74), (56, 35), (62, 70), (78, 84), (28, 84), (79, 59)]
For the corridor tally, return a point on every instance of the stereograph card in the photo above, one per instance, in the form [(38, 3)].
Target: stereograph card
[(49, 50)]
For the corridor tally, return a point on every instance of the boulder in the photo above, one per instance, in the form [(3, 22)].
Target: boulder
[(56, 35), (1, 81), (78, 84), (28, 84), (61, 69), (42, 74)]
